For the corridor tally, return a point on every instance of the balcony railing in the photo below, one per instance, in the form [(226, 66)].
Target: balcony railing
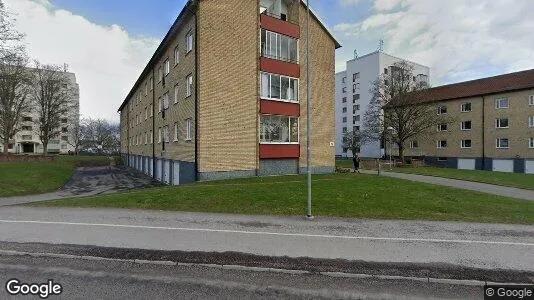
[(282, 17), (286, 59)]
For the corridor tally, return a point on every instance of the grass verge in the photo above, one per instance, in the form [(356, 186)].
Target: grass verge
[(27, 178), (338, 195)]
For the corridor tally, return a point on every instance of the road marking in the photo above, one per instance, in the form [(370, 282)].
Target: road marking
[(347, 237)]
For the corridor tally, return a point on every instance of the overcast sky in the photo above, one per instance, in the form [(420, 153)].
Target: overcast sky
[(107, 43)]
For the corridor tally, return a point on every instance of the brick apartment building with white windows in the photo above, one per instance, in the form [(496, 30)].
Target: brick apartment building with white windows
[(223, 97)]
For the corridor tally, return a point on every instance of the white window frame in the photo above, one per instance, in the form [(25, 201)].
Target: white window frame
[(160, 74), (498, 143), (176, 92), (146, 137), (531, 100), (188, 129), (466, 129), (291, 79), (146, 112), (167, 65), (531, 121), (176, 55), (463, 146), (498, 103), (446, 127), (498, 123), (289, 131), (166, 101), (412, 144), (189, 42), (438, 144), (146, 88), (462, 109), (188, 85), (159, 135), (160, 104), (166, 133), (176, 128), (531, 143), (151, 137), (274, 40), (150, 110), (439, 110)]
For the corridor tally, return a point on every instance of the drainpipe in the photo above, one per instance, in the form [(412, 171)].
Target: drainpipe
[(483, 134), (194, 5), (153, 125)]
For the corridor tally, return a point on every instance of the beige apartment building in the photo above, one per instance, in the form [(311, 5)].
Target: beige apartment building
[(223, 96), (491, 127)]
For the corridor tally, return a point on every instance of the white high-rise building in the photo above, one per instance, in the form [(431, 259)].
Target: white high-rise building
[(353, 96)]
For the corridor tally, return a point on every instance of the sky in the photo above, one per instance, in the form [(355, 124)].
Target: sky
[(108, 43)]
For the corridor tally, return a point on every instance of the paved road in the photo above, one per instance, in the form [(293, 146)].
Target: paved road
[(83, 279), (486, 246), (461, 184), (89, 181)]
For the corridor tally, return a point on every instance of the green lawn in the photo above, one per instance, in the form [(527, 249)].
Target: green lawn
[(525, 181), (27, 178), (340, 195)]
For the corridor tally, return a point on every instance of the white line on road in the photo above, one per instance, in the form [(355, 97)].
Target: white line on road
[(347, 237)]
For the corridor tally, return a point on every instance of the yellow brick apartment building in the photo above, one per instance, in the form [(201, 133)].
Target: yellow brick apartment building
[(491, 127), (224, 94)]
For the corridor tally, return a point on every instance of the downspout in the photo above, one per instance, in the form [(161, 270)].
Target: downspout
[(153, 125), (193, 11), (483, 133)]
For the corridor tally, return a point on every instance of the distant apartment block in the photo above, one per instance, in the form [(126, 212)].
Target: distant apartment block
[(27, 139), (353, 96), (224, 95), (492, 127)]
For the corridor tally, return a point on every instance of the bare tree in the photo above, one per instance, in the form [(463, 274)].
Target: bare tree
[(352, 140), (10, 38), (75, 131), (14, 96), (52, 92), (398, 109), (101, 135)]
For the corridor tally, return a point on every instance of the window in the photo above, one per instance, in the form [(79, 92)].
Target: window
[(531, 100), (175, 94), (355, 108), (442, 127), (531, 142), (65, 138), (502, 143), (166, 134), (159, 135), (146, 137), (166, 101), (466, 107), (160, 104), (27, 128), (176, 133), (466, 144), (355, 76), (501, 123), (150, 110), (442, 110), (466, 125), (160, 74), (355, 87), (344, 109), (531, 121), (442, 144), (355, 119), (26, 119), (343, 79), (386, 71), (189, 86), (501, 103), (344, 129), (355, 98), (344, 100), (151, 140), (146, 112), (189, 42), (167, 67), (64, 120), (414, 144), (344, 119), (176, 55), (151, 83), (64, 129), (279, 129), (146, 88), (63, 147), (344, 90), (356, 128), (278, 46), (188, 129), (279, 87)]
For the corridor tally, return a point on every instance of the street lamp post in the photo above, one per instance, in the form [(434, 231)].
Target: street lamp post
[(309, 214), (391, 130)]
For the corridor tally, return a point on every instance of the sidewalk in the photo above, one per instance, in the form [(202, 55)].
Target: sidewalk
[(461, 184)]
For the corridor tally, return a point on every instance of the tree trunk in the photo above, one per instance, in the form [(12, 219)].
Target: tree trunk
[(45, 147), (401, 152), (6, 146)]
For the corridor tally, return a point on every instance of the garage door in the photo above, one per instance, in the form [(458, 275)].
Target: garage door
[(503, 165), (529, 166), (466, 163)]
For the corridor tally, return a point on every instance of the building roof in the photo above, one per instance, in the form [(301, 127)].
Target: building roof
[(480, 87)]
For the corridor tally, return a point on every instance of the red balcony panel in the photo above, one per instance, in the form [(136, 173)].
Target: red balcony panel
[(279, 67), (279, 26), (270, 107), (279, 150)]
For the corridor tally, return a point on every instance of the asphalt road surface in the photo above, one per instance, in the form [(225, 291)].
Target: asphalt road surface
[(486, 246), (91, 279)]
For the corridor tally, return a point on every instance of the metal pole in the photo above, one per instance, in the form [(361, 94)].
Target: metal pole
[(390, 150), (308, 108)]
